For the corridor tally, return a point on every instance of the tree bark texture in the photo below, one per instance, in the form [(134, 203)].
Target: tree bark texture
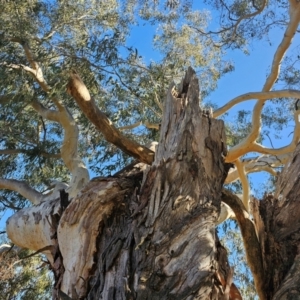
[(277, 219), (161, 243), (149, 232)]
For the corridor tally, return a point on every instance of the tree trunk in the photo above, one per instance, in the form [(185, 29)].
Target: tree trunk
[(161, 243), (148, 233), (277, 219)]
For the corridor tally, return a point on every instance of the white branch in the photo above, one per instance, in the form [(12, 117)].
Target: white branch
[(249, 143), (69, 149), (22, 188), (260, 163), (281, 50), (245, 146), (225, 214), (244, 182), (260, 96)]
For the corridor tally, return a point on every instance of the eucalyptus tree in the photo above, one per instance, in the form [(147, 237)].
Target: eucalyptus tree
[(22, 276), (75, 95)]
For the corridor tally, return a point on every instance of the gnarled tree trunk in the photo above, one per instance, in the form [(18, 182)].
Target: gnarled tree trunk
[(161, 244), (148, 233)]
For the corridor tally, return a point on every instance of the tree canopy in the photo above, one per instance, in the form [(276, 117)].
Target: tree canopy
[(72, 84)]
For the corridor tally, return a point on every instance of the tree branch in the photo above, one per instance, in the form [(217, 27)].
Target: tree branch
[(49, 114), (22, 188), (260, 163), (244, 182), (280, 52), (245, 146), (233, 27), (249, 143), (260, 96), (35, 69), (251, 243), (132, 126), (69, 149), (248, 16), (77, 89)]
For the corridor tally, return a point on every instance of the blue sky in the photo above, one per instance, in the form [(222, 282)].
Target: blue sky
[(249, 76)]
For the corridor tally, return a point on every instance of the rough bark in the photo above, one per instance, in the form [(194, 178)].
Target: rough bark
[(277, 219), (161, 244), (147, 233)]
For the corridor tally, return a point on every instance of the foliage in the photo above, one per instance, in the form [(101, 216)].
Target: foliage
[(23, 278)]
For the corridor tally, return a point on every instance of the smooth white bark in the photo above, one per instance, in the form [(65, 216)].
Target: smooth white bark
[(22, 188)]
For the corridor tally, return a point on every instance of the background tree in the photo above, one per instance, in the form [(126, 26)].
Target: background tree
[(22, 277), (44, 133)]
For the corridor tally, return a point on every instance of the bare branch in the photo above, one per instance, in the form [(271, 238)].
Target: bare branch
[(69, 149), (77, 89), (284, 45), (44, 112), (260, 96), (35, 69), (251, 243), (225, 214), (280, 52), (248, 16), (132, 126), (22, 188), (245, 147), (244, 182), (249, 143), (260, 163)]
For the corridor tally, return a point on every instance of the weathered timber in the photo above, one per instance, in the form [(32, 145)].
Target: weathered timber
[(277, 219), (149, 231), (161, 243)]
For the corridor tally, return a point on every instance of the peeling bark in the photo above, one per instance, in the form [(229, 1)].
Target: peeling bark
[(144, 235), (82, 223), (161, 245), (35, 227)]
